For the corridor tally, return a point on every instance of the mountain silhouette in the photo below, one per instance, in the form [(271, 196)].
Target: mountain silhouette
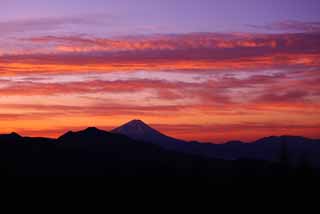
[(138, 130), (96, 152), (263, 149), (10, 137), (91, 136), (116, 147), (135, 148)]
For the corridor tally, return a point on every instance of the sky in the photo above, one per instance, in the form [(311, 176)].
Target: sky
[(206, 70)]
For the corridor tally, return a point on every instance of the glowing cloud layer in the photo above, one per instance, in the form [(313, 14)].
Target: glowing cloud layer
[(204, 86)]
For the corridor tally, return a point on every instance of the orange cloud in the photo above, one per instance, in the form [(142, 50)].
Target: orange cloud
[(75, 64), (206, 52), (245, 81)]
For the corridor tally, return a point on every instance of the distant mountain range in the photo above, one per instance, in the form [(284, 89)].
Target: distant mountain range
[(136, 147), (269, 148)]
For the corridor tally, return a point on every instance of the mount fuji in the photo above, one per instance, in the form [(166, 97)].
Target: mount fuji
[(138, 130)]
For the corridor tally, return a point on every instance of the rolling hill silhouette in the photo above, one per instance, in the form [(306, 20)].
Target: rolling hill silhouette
[(267, 148), (135, 148)]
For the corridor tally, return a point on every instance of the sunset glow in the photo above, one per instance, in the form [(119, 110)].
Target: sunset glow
[(65, 68)]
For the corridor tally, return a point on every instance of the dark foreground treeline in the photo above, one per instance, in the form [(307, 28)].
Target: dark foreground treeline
[(93, 153)]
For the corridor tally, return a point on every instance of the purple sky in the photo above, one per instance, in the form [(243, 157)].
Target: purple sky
[(167, 16)]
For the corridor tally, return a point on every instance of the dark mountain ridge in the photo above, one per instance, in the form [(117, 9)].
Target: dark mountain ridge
[(137, 149), (267, 148)]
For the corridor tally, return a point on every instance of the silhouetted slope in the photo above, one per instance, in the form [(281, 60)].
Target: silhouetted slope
[(96, 152), (10, 137), (119, 154), (110, 144), (92, 137), (264, 149), (138, 130)]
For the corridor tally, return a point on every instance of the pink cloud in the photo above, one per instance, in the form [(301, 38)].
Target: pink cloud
[(291, 25)]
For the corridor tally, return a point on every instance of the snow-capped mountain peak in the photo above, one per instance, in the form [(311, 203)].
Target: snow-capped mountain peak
[(136, 129), (139, 130)]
